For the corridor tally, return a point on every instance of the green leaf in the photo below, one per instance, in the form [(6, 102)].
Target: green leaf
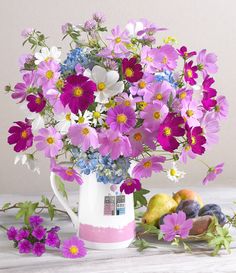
[(6, 206), (61, 187), (45, 200), (51, 211), (186, 247), (139, 198), (141, 244), (20, 213)]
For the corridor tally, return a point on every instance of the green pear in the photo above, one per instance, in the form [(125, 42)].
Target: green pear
[(158, 205)]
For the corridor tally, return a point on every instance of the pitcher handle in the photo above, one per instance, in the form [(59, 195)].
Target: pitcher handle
[(74, 218)]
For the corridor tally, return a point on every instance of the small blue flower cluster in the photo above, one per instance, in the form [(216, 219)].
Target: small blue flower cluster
[(107, 170), (75, 56), (168, 76)]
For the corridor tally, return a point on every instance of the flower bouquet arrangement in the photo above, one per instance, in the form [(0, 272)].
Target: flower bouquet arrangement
[(116, 99)]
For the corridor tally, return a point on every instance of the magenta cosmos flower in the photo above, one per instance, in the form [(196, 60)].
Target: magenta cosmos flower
[(207, 62), (168, 130), (167, 57), (130, 185), (78, 93), (36, 103), (149, 59), (208, 100), (49, 141), (67, 174), (83, 135), (196, 139), (121, 118), (212, 173), (114, 143), (21, 136), (143, 85), (132, 70), (183, 52), (148, 165), (73, 248), (176, 224), (190, 73), (191, 113)]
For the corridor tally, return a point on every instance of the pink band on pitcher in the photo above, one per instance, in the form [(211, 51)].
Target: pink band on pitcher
[(106, 235)]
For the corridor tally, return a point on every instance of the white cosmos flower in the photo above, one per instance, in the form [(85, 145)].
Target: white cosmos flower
[(84, 117), (28, 160), (98, 116), (133, 27), (65, 119), (37, 121), (47, 54), (174, 174), (107, 83)]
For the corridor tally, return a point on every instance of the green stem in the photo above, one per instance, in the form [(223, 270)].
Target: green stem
[(4, 228)]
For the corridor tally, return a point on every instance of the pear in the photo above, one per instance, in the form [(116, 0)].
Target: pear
[(158, 205)]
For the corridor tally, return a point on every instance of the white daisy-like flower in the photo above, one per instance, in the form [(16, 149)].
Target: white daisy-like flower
[(27, 160), (107, 83), (84, 117), (37, 121), (47, 54), (98, 116), (174, 174), (133, 27), (65, 119)]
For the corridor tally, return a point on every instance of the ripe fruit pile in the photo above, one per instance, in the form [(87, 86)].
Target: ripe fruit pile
[(187, 201)]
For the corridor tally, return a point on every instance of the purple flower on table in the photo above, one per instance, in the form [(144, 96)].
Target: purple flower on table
[(176, 224), (39, 232), (208, 100), (149, 59), (207, 62), (212, 173), (183, 52), (35, 220), (78, 93), (166, 58), (22, 234), (121, 118), (196, 140), (73, 248), (130, 185), (11, 233), (38, 249), (25, 246), (52, 239), (132, 70), (143, 85), (55, 229), (36, 103), (67, 174), (148, 165), (49, 141), (21, 136), (190, 73)]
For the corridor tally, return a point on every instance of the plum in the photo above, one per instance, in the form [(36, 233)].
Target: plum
[(218, 214), (208, 207), (161, 220), (189, 207)]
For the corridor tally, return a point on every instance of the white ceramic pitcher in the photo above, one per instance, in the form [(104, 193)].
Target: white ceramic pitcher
[(106, 217)]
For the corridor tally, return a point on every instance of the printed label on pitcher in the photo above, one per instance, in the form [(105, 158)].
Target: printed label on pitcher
[(114, 205)]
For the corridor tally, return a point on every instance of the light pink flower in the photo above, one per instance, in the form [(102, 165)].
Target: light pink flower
[(185, 153), (127, 100), (221, 109), (212, 173), (149, 59), (211, 129), (53, 96), (191, 113), (143, 85), (207, 62), (167, 58)]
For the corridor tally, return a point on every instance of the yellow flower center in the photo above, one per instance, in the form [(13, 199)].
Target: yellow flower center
[(156, 115), (24, 134), (59, 84), (118, 40), (159, 96), (96, 115), (142, 84), (189, 73), (85, 131), (167, 131), (149, 59), (129, 184), (38, 100), (217, 108), (187, 148), (78, 92), (138, 136), (68, 117), (121, 118), (189, 113), (127, 103), (147, 164), (49, 74), (164, 60), (50, 140), (116, 139), (182, 95), (172, 172), (74, 250), (81, 120), (47, 59), (101, 86), (129, 72), (69, 172), (177, 227), (142, 104), (193, 140)]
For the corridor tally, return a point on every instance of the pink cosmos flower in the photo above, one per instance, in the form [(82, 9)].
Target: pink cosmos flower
[(67, 174), (49, 141), (127, 100), (73, 248), (36, 103), (186, 152), (212, 173), (148, 165), (211, 129), (191, 113), (168, 130), (176, 224), (118, 40), (221, 108), (207, 62), (78, 93), (143, 85), (130, 185), (166, 58), (159, 92), (53, 96), (48, 73), (184, 94), (21, 136), (121, 118), (153, 115), (138, 137), (183, 52), (132, 70), (149, 59), (114, 143), (83, 135), (209, 93), (196, 139), (190, 73)]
